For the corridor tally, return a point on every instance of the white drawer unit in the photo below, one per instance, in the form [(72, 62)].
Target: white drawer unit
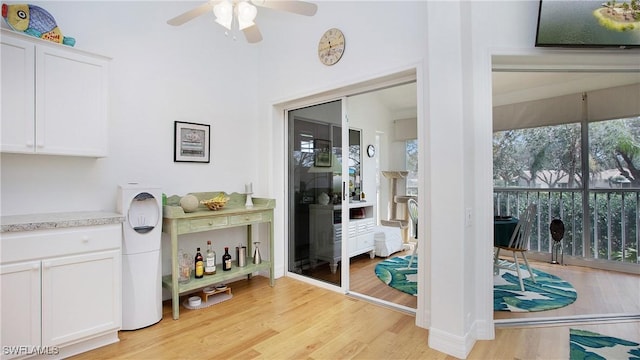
[(61, 290), (325, 232)]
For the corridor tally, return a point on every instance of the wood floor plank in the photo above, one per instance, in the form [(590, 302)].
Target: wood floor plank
[(296, 320)]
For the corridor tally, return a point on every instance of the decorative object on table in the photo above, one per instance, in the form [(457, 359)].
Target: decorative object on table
[(226, 260), (547, 293), (557, 233), (34, 21), (257, 259), (331, 46), (322, 153), (248, 189), (217, 202), (210, 260), (585, 344), (396, 273), (191, 142), (184, 265), (323, 199), (189, 203), (199, 265), (241, 256)]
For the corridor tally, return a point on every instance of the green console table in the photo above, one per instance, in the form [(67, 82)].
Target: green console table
[(176, 222)]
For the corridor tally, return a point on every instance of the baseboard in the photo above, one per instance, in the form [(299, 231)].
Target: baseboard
[(458, 346)]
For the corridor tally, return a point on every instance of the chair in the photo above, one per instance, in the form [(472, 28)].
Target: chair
[(412, 205), (519, 243)]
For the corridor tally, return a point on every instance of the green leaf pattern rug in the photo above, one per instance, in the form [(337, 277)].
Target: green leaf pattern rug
[(547, 293), (593, 346), (396, 273)]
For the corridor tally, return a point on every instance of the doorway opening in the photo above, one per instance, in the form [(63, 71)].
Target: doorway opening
[(593, 202), (335, 206)]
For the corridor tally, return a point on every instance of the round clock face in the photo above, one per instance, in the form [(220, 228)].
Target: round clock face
[(371, 150), (331, 46)]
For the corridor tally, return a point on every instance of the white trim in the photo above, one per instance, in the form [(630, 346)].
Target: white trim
[(458, 346)]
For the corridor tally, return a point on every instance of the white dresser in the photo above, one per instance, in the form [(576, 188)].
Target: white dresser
[(325, 232)]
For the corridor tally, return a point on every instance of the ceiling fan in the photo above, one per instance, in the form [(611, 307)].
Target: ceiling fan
[(244, 12)]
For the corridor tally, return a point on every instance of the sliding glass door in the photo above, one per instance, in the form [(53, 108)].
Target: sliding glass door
[(316, 192)]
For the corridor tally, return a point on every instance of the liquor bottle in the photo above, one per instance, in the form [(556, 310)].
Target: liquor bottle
[(210, 260), (226, 260), (199, 265)]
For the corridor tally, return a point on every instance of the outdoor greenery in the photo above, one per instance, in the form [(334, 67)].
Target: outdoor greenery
[(543, 165)]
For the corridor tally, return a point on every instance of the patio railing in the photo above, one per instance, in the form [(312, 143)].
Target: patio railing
[(611, 218)]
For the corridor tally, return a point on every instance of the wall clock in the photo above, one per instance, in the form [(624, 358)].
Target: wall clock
[(331, 46), (371, 150)]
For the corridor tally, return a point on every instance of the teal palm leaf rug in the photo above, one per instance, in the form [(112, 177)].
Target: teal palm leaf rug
[(590, 345), (549, 292), (396, 273)]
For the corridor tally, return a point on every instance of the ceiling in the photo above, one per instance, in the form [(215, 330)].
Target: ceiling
[(514, 87)]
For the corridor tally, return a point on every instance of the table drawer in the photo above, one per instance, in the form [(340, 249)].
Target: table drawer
[(246, 219), (208, 223)]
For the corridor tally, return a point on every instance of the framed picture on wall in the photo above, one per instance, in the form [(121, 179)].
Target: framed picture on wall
[(191, 142), (322, 151)]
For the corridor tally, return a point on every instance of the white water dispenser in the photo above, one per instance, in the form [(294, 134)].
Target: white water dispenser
[(141, 255)]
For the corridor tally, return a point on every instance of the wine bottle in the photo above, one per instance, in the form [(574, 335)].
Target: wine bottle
[(199, 265), (226, 260), (210, 263)]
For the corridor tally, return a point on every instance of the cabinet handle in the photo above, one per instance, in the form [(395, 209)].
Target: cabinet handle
[(85, 239), (46, 264), (35, 267)]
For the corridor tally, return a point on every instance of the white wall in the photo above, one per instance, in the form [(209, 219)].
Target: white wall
[(159, 74)]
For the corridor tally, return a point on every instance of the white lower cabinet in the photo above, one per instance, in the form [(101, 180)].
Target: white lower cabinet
[(80, 296), (20, 306), (66, 298)]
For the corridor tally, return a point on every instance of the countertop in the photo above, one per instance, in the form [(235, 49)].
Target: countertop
[(31, 222)]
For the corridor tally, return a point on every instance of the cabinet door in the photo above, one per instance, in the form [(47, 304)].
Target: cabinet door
[(71, 102), (20, 306), (81, 296), (18, 95)]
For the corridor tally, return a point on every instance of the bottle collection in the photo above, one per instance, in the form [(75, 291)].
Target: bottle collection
[(202, 265)]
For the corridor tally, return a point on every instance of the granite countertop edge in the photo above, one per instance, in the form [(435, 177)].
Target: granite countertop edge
[(32, 222)]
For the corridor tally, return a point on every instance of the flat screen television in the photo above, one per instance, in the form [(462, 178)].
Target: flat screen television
[(589, 23)]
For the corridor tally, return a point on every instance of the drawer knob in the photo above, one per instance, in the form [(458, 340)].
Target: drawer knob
[(85, 239)]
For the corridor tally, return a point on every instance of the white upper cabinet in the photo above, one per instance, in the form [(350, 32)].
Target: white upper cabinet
[(54, 98)]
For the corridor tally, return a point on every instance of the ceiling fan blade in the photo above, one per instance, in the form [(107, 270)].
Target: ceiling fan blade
[(252, 33), (191, 14), (296, 7)]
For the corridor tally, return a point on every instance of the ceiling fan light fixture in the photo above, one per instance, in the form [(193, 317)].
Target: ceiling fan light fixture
[(246, 14), (224, 13)]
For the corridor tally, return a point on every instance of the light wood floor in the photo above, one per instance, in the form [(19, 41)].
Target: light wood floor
[(295, 320), (599, 292)]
